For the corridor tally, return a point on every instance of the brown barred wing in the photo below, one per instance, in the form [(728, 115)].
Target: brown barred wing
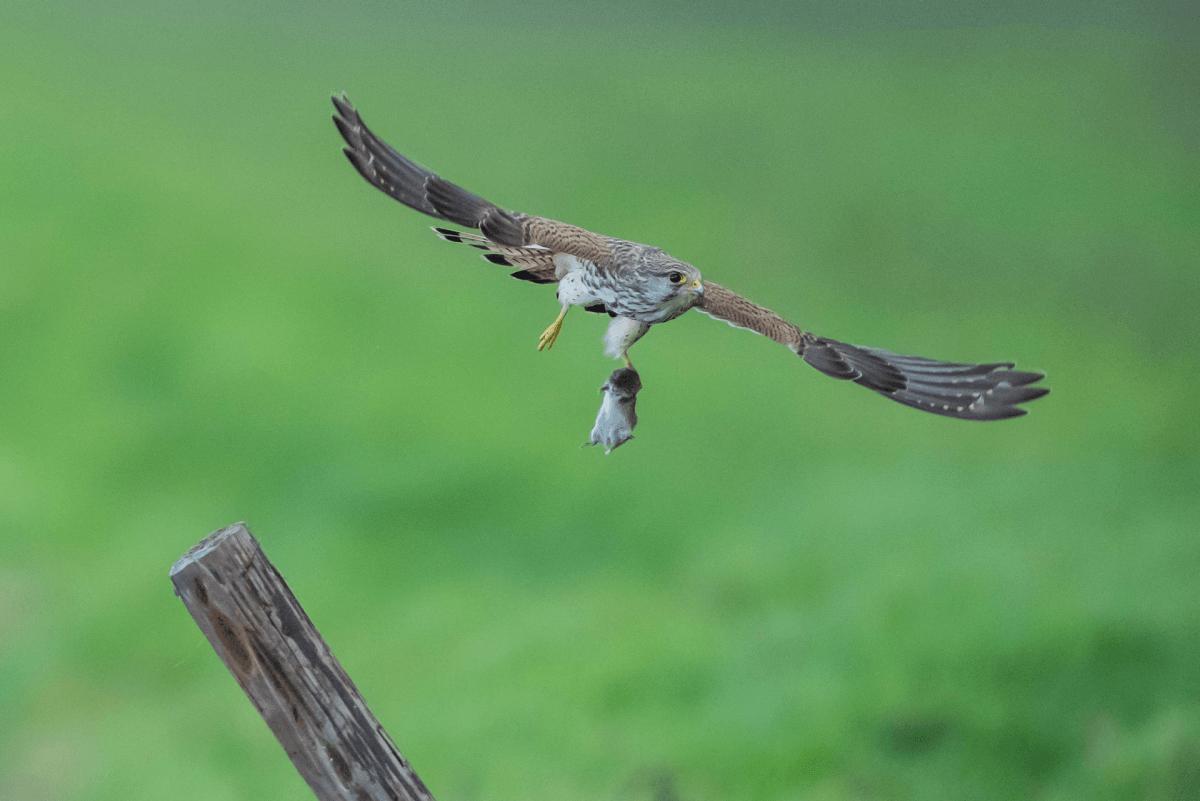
[(967, 391)]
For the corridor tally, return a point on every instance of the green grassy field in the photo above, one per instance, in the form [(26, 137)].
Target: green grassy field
[(785, 587)]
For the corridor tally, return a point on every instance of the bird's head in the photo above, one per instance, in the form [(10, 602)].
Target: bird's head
[(674, 283)]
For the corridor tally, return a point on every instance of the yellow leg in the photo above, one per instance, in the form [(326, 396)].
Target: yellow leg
[(550, 335), (625, 358)]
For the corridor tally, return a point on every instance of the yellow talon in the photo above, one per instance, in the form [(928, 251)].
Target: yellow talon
[(550, 335)]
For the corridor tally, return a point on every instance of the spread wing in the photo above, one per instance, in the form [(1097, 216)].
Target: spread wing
[(966, 391), (420, 189)]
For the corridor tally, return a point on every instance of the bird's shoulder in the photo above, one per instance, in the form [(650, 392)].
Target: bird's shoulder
[(627, 255)]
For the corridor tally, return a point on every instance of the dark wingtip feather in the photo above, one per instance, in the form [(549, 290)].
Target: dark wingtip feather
[(1019, 378), (414, 185), (503, 227), (359, 163), (454, 203), (1013, 395), (998, 413), (348, 132), (496, 258), (861, 365), (827, 360), (992, 391), (343, 105), (527, 275)]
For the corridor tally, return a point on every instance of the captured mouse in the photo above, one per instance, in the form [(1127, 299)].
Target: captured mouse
[(618, 413)]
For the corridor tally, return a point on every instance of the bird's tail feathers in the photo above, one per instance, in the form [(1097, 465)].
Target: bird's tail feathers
[(536, 263)]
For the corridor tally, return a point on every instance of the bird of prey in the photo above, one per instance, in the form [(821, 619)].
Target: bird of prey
[(640, 286)]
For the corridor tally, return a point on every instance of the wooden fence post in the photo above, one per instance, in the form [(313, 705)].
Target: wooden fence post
[(258, 629)]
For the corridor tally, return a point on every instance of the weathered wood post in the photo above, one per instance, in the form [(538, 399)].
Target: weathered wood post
[(258, 629)]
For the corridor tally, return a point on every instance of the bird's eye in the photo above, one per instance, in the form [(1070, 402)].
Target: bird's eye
[(675, 277)]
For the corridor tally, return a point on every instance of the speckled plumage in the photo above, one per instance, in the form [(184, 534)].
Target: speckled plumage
[(640, 286)]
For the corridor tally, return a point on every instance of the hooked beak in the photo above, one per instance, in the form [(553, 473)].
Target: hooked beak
[(698, 287)]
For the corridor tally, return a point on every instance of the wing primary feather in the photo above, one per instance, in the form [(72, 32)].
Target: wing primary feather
[(415, 186), (423, 190)]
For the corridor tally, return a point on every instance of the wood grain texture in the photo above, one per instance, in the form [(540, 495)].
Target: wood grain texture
[(261, 633)]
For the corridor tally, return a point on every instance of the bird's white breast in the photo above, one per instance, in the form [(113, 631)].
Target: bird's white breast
[(579, 281), (565, 263)]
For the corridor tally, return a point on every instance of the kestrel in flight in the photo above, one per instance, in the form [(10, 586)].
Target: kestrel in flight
[(639, 286)]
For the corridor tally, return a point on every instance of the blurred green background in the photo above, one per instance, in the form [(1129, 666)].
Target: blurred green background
[(785, 587)]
